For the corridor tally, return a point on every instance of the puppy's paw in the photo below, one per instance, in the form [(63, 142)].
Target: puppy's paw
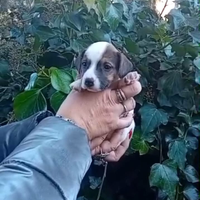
[(131, 77), (76, 85)]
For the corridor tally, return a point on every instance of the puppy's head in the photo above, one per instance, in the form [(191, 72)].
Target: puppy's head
[(100, 65)]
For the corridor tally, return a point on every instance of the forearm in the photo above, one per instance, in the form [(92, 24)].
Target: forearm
[(50, 162), (12, 134)]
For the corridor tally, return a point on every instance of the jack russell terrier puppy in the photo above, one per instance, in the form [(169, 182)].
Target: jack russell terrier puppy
[(99, 66)]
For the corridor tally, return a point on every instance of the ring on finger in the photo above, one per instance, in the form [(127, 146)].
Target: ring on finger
[(133, 101), (120, 95), (103, 155), (125, 110), (125, 113)]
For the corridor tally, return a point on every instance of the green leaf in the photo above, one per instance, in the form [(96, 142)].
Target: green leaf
[(152, 118), (44, 33), (129, 23), (177, 152), (163, 100), (136, 7), (139, 144), (29, 103), (131, 46), (102, 6), (91, 4), (185, 116), (191, 21), (60, 80), (74, 74), (191, 193), (125, 7), (195, 35), (56, 100), (197, 62), (178, 18), (195, 130), (179, 49), (170, 163), (75, 20), (197, 76), (197, 70), (191, 174), (165, 178), (192, 142), (100, 35), (192, 50), (171, 83), (165, 66), (42, 80), (94, 182), (114, 15), (31, 82), (37, 43), (79, 45), (4, 70)]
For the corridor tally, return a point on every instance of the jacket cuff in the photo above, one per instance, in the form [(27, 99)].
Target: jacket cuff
[(59, 150)]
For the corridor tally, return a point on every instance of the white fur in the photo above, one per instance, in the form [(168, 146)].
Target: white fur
[(129, 79), (94, 53), (127, 130)]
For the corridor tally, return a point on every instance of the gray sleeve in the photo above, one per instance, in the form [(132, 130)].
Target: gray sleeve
[(12, 134), (49, 163)]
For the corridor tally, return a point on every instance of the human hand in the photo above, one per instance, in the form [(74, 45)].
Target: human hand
[(99, 113), (113, 144), (108, 146)]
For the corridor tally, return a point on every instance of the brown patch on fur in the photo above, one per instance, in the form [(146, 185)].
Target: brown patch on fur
[(111, 56)]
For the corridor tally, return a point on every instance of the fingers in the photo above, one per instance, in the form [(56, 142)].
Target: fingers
[(114, 156), (96, 150), (114, 141), (97, 141), (129, 105), (128, 91), (124, 122)]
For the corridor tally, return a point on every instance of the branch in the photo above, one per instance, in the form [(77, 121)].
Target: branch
[(160, 145), (103, 178), (164, 8)]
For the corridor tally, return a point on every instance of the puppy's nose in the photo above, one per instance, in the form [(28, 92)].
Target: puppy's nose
[(89, 82)]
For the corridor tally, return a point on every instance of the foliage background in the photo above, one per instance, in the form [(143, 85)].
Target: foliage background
[(39, 40)]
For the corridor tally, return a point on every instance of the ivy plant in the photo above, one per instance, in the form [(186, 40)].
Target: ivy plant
[(166, 52)]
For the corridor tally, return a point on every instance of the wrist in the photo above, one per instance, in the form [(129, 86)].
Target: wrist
[(77, 123)]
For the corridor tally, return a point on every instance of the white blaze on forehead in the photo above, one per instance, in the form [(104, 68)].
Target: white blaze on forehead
[(96, 50), (94, 53)]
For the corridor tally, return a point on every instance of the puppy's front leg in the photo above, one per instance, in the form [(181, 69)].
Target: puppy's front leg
[(76, 85), (131, 77), (127, 130)]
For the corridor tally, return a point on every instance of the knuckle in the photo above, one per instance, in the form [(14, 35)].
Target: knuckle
[(103, 138), (110, 124), (107, 109)]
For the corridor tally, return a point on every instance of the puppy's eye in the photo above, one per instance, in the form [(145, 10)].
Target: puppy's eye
[(107, 66), (84, 63)]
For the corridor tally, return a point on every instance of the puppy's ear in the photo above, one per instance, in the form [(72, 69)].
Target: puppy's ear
[(125, 65), (78, 59)]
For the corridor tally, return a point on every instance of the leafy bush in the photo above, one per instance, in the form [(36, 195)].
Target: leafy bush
[(36, 68)]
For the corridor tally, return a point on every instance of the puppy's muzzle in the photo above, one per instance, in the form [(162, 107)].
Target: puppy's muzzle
[(89, 82)]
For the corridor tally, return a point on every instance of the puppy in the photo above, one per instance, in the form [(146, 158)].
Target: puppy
[(99, 67)]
